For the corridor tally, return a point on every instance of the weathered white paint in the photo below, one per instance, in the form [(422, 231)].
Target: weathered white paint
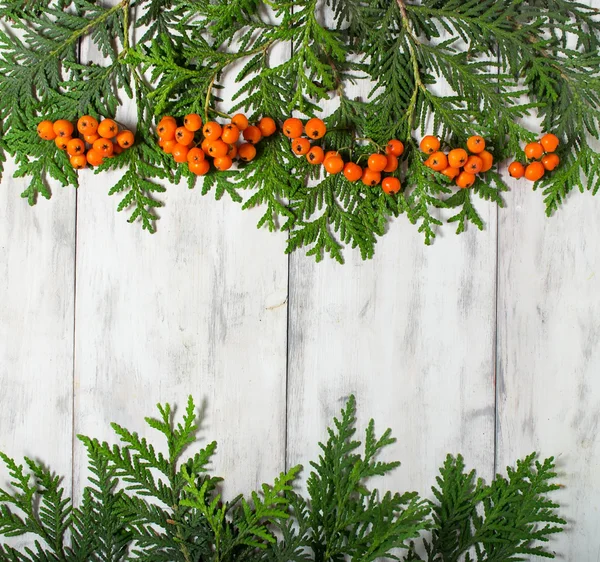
[(548, 353), (36, 327), (200, 308)]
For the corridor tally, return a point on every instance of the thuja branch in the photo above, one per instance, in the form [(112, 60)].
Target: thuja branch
[(123, 5), (494, 53)]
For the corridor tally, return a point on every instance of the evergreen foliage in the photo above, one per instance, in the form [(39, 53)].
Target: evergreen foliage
[(142, 503), (502, 60)]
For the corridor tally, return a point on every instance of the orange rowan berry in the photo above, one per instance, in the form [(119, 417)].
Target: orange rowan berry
[(395, 147), (240, 121), (315, 128), (117, 148), (230, 133), (166, 129), (352, 172), (487, 159), (78, 161), (184, 136), (61, 142), (232, 151), (199, 168), (549, 142), (331, 153), (45, 130), (550, 161), (63, 128), (476, 144), (438, 161), (450, 172), (333, 164), (474, 164), (104, 147), (223, 163), (125, 139), (300, 146), (516, 170), (192, 122), (429, 144), (267, 126), (371, 177), (457, 157), (108, 129), (94, 158), (169, 145), (180, 152), (292, 128), (206, 145), (195, 155), (212, 130), (218, 148), (392, 163), (534, 171), (252, 134), (377, 162), (246, 152), (87, 125), (534, 150), (315, 155), (391, 185), (75, 147), (465, 180)]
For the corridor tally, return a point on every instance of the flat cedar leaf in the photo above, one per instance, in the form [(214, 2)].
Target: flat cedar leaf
[(500, 61)]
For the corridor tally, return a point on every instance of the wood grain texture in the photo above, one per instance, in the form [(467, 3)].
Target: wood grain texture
[(198, 308), (411, 334), (548, 354), (37, 265)]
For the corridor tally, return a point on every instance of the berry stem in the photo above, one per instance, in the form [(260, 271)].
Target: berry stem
[(208, 93)]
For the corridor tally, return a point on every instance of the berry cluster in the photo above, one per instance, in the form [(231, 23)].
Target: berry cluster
[(99, 140), (192, 143), (544, 159), (301, 136), (458, 164)]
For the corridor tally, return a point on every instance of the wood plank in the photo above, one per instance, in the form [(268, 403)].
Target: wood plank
[(198, 308), (37, 267), (548, 357)]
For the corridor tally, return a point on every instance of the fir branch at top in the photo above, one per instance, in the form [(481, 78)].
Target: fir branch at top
[(500, 60)]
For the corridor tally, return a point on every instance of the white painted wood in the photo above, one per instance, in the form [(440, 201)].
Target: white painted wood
[(548, 354), (411, 334), (37, 265), (198, 308)]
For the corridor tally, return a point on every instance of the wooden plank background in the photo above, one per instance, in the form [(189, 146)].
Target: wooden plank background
[(483, 344)]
